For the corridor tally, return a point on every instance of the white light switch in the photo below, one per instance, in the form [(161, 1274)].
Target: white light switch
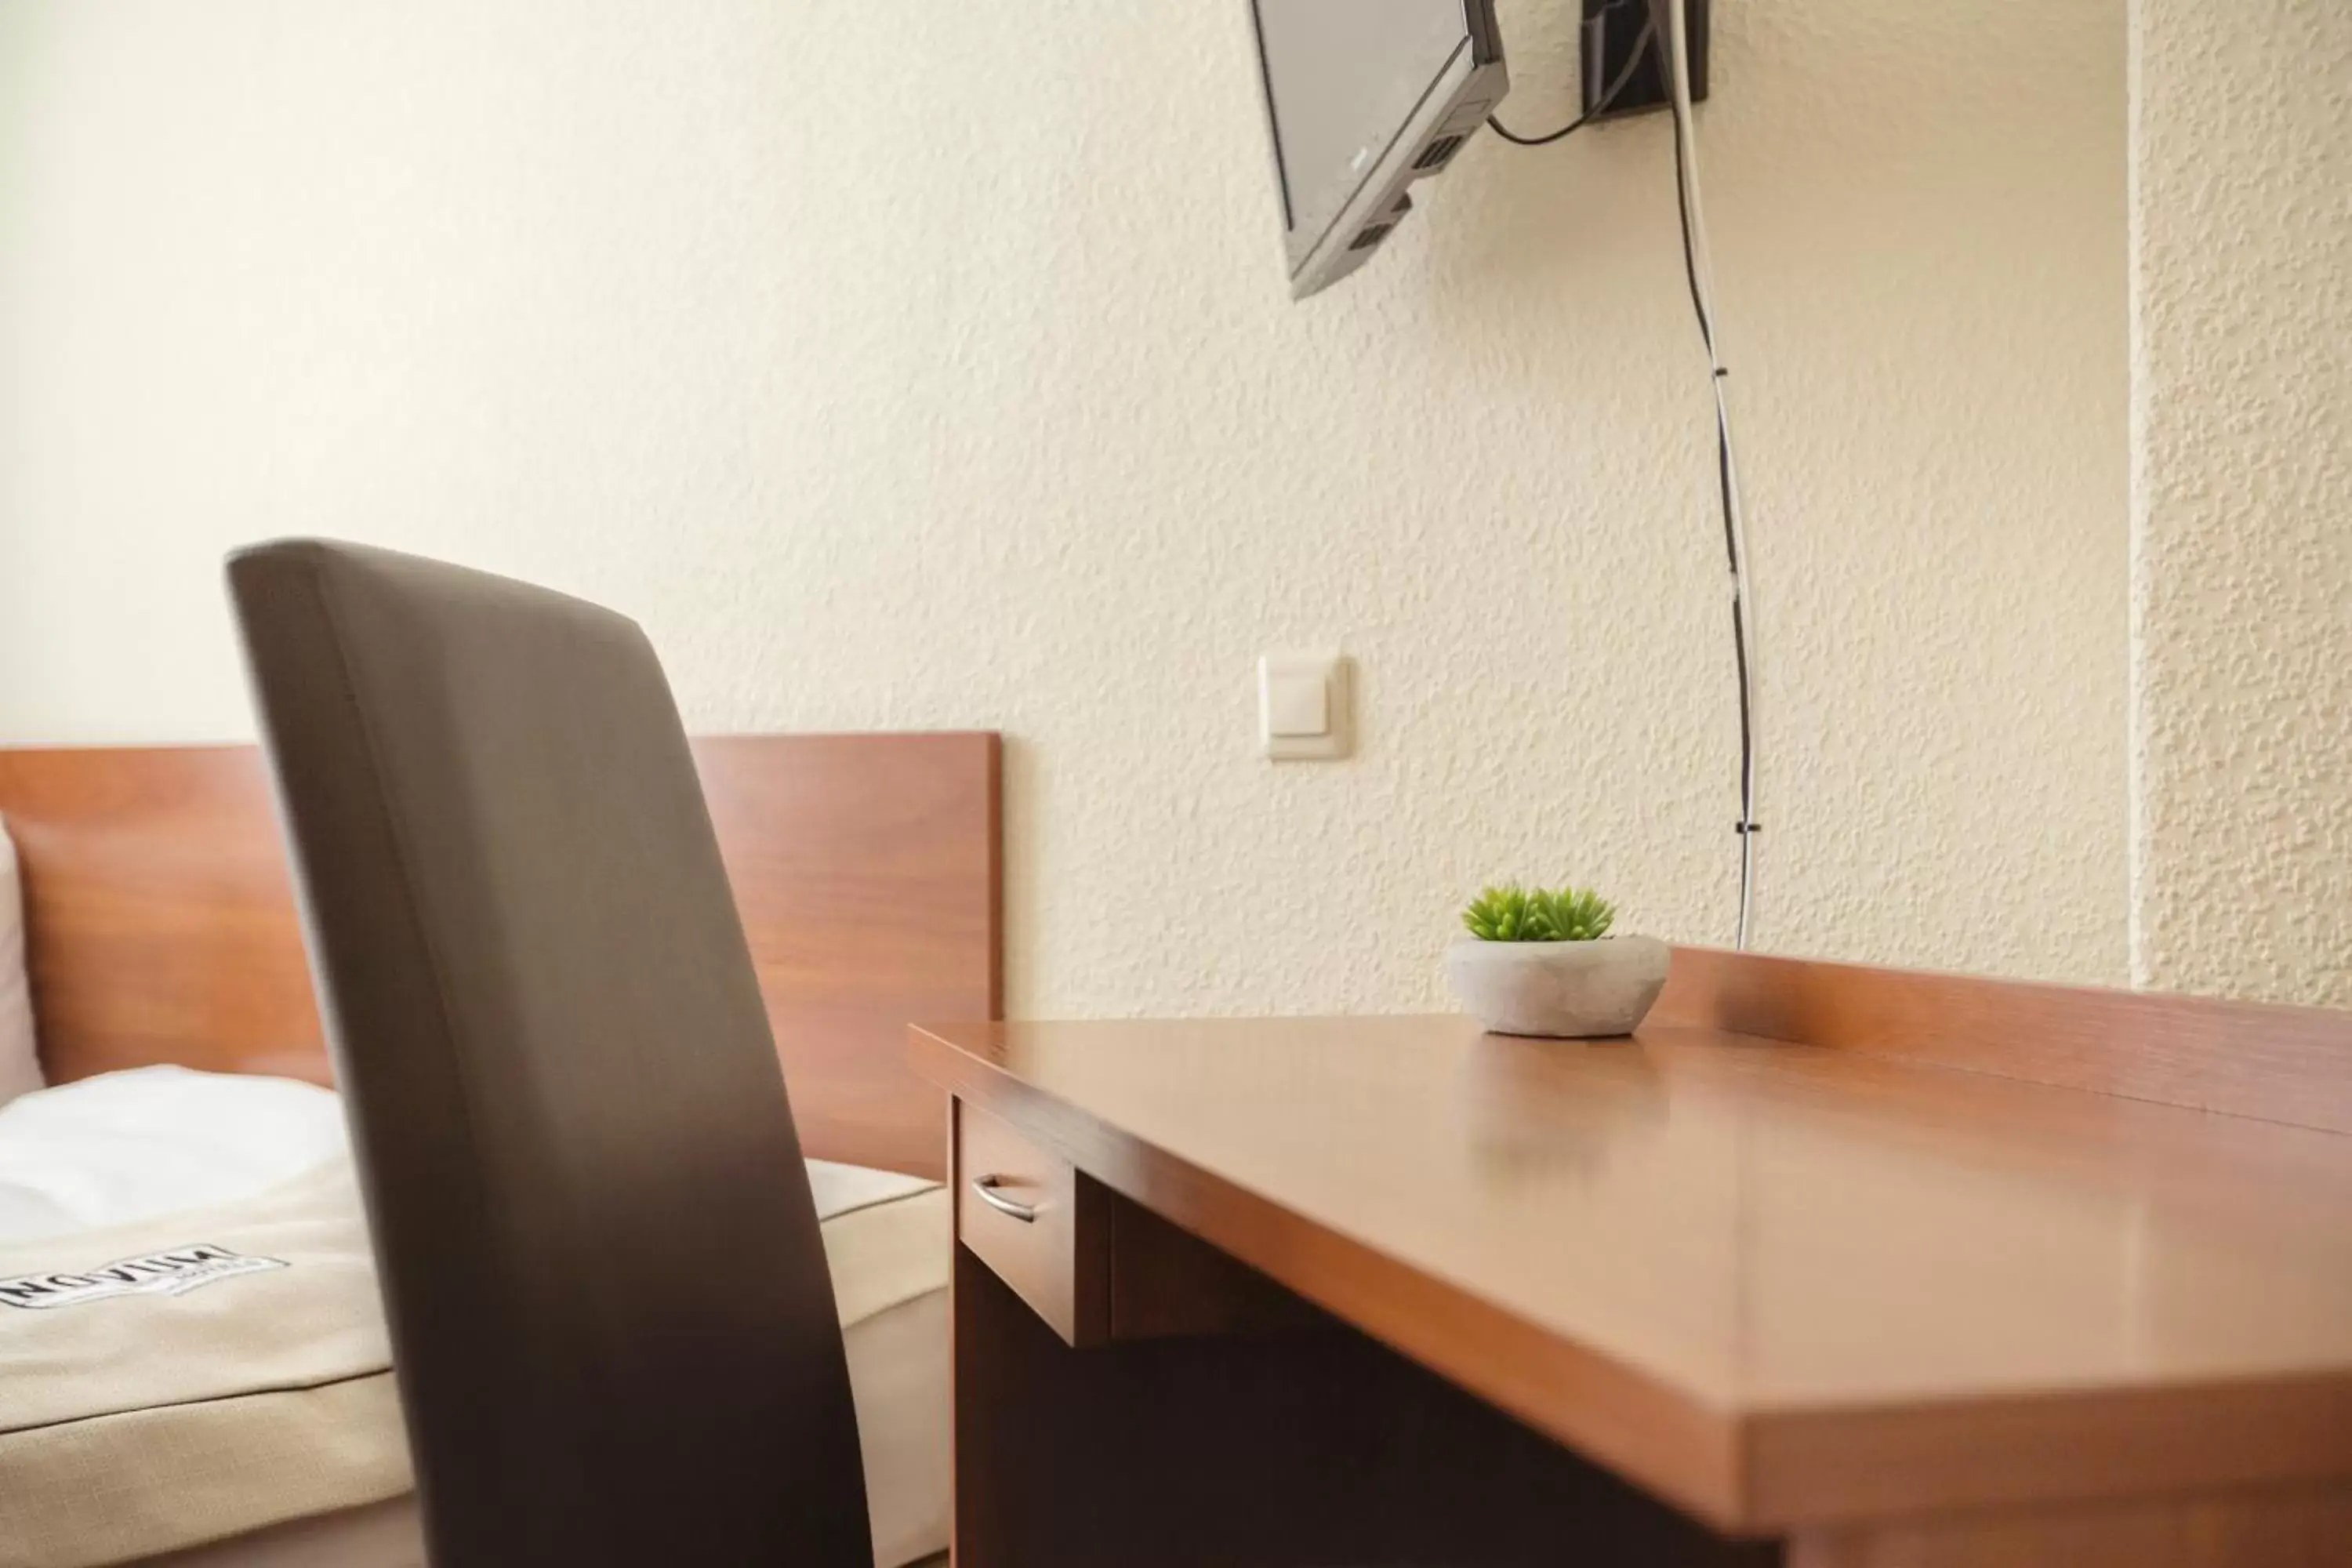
[(1297, 706), (1302, 705)]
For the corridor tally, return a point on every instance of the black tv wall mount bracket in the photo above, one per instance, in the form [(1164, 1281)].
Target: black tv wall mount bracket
[(1613, 30)]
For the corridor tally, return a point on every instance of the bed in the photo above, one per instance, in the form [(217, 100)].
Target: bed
[(191, 1098)]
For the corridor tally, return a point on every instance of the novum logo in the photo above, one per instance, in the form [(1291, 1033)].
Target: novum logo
[(174, 1272)]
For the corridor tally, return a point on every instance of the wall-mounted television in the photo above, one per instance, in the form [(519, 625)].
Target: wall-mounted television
[(1363, 99)]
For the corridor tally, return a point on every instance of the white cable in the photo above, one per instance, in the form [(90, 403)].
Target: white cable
[(1702, 281)]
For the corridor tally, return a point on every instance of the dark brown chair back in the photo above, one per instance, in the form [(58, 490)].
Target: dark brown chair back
[(611, 1319)]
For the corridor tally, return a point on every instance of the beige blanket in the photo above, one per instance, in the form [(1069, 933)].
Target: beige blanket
[(193, 1377), (226, 1369)]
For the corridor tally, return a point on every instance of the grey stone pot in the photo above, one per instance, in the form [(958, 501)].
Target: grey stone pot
[(1559, 990)]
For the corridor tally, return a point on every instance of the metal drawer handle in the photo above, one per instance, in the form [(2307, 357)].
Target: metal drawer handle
[(986, 1186)]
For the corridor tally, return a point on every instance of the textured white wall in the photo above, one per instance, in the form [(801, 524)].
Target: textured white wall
[(2242, 558), (903, 364)]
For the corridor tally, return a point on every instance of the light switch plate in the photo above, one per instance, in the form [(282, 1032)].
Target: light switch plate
[(1303, 706)]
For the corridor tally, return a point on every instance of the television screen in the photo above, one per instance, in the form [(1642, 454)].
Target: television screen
[(1356, 92)]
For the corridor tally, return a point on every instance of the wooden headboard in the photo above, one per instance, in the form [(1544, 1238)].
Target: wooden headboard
[(161, 924)]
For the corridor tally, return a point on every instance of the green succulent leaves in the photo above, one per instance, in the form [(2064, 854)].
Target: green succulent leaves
[(1513, 913)]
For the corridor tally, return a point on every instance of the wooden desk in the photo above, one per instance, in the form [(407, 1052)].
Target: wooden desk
[(1744, 1299)]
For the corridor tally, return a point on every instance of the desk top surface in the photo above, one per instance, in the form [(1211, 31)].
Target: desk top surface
[(1775, 1283)]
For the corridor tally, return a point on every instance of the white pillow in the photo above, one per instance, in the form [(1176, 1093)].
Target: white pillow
[(20, 1068)]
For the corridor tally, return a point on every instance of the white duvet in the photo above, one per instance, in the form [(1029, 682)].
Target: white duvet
[(129, 1148)]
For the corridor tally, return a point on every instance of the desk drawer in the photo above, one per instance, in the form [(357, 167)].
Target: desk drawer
[(1040, 1226)]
